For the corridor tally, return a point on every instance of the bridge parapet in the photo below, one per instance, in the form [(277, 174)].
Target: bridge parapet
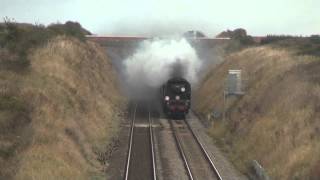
[(134, 40)]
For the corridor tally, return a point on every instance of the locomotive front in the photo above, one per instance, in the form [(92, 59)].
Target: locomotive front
[(176, 96)]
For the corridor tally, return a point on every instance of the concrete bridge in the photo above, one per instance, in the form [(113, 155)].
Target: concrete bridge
[(124, 41)]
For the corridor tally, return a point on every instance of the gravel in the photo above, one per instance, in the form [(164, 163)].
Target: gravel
[(168, 162), (172, 167), (225, 168)]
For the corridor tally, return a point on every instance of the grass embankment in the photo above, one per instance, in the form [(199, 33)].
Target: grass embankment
[(276, 122), (58, 111)]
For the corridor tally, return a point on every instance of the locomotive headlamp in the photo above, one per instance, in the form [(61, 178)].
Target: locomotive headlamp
[(183, 89), (167, 98), (177, 97)]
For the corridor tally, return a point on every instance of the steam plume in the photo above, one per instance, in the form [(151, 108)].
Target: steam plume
[(155, 61)]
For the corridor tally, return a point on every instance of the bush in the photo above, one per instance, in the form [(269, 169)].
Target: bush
[(240, 43), (274, 38), (315, 39), (18, 41), (301, 45), (239, 39), (20, 38), (12, 103), (69, 29)]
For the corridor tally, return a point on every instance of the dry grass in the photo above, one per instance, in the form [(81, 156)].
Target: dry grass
[(74, 105), (276, 121)]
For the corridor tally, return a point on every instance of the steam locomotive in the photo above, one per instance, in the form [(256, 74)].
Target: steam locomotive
[(176, 97)]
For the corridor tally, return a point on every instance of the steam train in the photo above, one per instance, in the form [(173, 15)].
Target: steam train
[(176, 97)]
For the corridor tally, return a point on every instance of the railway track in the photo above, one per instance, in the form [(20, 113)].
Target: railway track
[(140, 163), (141, 160), (197, 162)]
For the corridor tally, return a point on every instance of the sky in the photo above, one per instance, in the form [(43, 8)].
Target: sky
[(167, 17)]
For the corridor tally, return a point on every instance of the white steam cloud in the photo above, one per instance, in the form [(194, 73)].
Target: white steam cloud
[(155, 61)]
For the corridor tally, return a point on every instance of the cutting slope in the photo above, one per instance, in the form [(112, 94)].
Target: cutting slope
[(58, 117), (276, 121)]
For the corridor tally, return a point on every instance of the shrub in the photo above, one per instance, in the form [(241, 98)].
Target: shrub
[(20, 38), (69, 29), (301, 45), (315, 39), (12, 103), (274, 38), (239, 43), (239, 39)]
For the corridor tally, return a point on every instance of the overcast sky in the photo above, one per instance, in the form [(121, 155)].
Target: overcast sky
[(162, 17)]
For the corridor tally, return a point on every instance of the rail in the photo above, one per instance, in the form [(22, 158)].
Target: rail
[(181, 151), (130, 144), (204, 151)]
